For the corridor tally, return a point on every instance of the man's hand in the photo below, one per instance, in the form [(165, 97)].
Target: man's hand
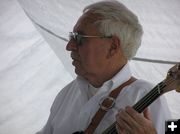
[(131, 122)]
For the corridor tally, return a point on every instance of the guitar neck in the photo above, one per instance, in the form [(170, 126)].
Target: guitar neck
[(141, 104)]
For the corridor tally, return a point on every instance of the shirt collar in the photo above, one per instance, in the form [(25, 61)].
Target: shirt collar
[(122, 76)]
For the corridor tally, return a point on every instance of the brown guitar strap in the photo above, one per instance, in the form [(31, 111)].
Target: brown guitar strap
[(106, 104)]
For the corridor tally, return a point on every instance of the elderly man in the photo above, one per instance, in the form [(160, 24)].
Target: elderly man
[(104, 39)]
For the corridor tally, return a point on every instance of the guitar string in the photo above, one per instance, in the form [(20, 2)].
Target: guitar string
[(148, 98), (112, 129), (152, 96)]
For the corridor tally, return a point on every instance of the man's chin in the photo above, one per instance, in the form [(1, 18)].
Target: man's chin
[(80, 72), (77, 71)]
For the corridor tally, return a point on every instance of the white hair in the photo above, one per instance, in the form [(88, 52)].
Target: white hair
[(118, 20)]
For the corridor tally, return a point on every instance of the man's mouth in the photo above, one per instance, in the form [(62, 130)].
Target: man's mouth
[(74, 59)]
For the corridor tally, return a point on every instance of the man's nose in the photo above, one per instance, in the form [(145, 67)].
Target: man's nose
[(71, 46)]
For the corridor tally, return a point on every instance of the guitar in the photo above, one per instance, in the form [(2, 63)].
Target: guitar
[(172, 82)]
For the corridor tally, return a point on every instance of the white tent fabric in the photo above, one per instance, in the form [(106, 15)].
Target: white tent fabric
[(31, 74)]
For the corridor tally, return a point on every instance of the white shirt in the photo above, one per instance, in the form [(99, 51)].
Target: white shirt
[(77, 103)]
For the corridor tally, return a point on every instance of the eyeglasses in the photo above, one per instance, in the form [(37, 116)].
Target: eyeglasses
[(78, 38)]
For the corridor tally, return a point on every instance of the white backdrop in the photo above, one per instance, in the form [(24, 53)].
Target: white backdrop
[(31, 74)]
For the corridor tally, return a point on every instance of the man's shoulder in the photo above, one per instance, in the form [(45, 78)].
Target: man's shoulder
[(71, 88), (64, 93), (68, 87)]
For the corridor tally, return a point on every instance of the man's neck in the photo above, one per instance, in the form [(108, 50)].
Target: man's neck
[(99, 80)]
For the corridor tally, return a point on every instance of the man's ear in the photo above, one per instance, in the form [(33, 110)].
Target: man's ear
[(115, 46)]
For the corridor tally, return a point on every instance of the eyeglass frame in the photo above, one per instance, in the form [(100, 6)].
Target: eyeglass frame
[(78, 37)]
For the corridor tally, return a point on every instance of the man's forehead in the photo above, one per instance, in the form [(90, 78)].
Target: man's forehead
[(86, 21)]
